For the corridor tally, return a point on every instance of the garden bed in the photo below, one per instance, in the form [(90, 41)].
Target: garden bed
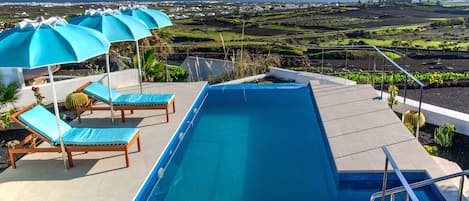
[(457, 153)]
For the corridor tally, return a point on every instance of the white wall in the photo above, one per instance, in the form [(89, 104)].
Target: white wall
[(306, 77), (434, 114), (63, 88)]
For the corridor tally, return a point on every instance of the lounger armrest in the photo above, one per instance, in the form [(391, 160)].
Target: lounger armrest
[(80, 89)]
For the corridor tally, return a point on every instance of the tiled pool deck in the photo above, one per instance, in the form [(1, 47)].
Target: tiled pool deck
[(101, 175), (356, 125)]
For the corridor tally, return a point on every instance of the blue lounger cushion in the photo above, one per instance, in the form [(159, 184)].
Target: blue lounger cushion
[(101, 92), (143, 99), (98, 136), (42, 121)]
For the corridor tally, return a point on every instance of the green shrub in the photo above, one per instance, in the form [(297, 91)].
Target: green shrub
[(74, 100), (176, 74), (436, 78), (5, 119), (8, 93), (432, 150), (443, 136)]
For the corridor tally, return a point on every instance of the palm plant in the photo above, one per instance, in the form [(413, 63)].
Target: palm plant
[(152, 69), (8, 93)]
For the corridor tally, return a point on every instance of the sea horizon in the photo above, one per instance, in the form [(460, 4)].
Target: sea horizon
[(147, 1)]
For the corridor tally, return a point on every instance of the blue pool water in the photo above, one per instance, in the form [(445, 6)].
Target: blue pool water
[(252, 144), (360, 186), (259, 143)]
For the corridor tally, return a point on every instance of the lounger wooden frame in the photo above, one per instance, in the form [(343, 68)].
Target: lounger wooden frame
[(122, 108), (68, 148)]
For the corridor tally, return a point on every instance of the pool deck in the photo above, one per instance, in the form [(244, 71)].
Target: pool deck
[(101, 175), (358, 125)]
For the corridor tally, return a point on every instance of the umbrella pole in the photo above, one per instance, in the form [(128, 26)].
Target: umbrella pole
[(139, 66), (56, 110), (108, 69)]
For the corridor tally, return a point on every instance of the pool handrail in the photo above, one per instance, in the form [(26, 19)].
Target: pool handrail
[(400, 176), (408, 187)]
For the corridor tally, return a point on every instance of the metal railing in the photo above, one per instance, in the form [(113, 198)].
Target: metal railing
[(406, 187), (410, 193), (393, 64), (186, 51)]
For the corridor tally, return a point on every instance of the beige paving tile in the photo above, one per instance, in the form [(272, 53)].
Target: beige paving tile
[(101, 175)]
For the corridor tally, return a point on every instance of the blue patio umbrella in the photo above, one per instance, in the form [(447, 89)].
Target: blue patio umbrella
[(117, 28), (154, 19), (38, 43)]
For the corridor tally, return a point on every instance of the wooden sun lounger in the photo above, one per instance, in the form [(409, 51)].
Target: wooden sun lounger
[(122, 108), (31, 139)]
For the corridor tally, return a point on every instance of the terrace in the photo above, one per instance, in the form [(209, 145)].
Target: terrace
[(344, 108)]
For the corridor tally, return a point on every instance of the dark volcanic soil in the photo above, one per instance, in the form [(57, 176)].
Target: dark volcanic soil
[(411, 65), (457, 153)]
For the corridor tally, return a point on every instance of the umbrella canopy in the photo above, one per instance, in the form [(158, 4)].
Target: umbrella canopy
[(154, 19), (36, 43), (115, 26)]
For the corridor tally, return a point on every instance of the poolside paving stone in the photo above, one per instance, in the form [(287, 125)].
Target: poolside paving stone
[(358, 125), (101, 175)]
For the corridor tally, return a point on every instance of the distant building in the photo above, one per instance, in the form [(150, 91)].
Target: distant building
[(199, 68), (398, 1), (20, 15)]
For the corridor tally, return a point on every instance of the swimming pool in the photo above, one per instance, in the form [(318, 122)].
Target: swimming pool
[(248, 142)]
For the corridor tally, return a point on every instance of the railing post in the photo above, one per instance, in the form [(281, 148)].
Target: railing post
[(405, 88), (385, 179), (322, 61), (382, 80), (346, 65), (418, 117), (461, 187)]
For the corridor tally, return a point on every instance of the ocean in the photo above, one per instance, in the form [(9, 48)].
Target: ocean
[(91, 1)]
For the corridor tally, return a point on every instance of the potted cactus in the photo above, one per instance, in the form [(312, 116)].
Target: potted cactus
[(411, 117), (74, 100)]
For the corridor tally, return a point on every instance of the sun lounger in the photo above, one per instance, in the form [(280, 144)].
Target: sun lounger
[(123, 102), (42, 124)]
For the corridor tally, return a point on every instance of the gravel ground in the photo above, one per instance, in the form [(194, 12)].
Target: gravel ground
[(457, 153), (454, 98)]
